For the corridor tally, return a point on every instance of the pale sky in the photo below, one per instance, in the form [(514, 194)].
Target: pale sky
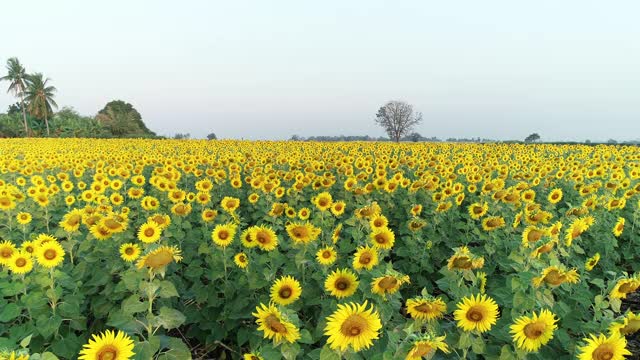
[(502, 69)]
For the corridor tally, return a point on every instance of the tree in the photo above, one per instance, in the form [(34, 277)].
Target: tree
[(211, 136), (16, 75), (180, 136), (40, 97), (122, 119), (532, 138), (397, 118)]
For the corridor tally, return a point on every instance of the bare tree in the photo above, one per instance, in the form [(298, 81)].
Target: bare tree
[(397, 118)]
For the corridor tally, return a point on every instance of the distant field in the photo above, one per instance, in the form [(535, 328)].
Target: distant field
[(307, 250)]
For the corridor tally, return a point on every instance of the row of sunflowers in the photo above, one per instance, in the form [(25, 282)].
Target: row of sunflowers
[(141, 249)]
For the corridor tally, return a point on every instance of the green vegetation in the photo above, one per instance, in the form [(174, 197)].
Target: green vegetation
[(33, 115)]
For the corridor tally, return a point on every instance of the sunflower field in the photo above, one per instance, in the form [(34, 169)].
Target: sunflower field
[(167, 249)]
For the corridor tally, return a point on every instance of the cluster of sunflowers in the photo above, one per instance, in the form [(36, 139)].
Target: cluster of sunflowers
[(139, 249)]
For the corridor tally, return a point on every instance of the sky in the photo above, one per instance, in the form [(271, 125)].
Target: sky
[(500, 69)]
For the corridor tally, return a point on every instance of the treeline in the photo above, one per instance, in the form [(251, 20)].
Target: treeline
[(33, 115), (118, 119)]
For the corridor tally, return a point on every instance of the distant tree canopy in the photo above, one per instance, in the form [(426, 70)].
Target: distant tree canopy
[(211, 136), (123, 120), (532, 138), (180, 136), (398, 119)]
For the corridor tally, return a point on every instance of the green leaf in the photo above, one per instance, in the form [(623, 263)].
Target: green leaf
[(328, 354), (133, 305), (290, 351), (25, 342), (177, 351), (169, 318), (167, 289), (47, 325), (10, 312)]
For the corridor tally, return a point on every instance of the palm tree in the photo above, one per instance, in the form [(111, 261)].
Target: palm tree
[(40, 97), (16, 76)]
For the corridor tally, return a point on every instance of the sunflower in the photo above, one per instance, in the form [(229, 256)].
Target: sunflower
[(353, 325), (149, 232), (463, 259), (14, 356), (241, 260), (162, 220), (388, 284), (7, 248), (304, 213), (477, 312), (230, 204), (378, 222), (337, 208), (274, 325), (20, 262), (303, 233), (100, 232), (323, 201), (50, 254), (129, 252), (416, 224), (555, 276), (478, 210), (624, 287), (40, 240), (265, 237), (341, 283), (252, 356), (23, 218), (427, 345), (426, 308), (383, 238), (223, 234), (365, 258), (416, 210), (532, 234), (29, 247), (592, 262), (108, 345), (285, 291), (493, 223), (544, 248), (326, 255), (335, 236), (159, 258), (630, 325), (531, 333), (555, 196), (208, 215), (601, 347), (618, 227)]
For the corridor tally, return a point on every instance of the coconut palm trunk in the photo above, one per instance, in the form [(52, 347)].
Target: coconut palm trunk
[(24, 114)]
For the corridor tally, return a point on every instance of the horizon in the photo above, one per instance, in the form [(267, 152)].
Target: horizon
[(496, 70)]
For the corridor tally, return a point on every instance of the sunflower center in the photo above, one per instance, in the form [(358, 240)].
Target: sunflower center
[(285, 292), (342, 284), (275, 325), (261, 238), (353, 326), (626, 288), (223, 235), (128, 251), (6, 252), (424, 308), (20, 262), (365, 258), (326, 254), (388, 282), (554, 278), (149, 232), (108, 352), (534, 235), (475, 314), (534, 330), (50, 254), (493, 223), (603, 352), (380, 239), (477, 210), (421, 350), (462, 262)]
